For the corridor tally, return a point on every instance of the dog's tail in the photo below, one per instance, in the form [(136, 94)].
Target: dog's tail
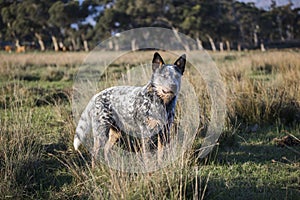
[(83, 127)]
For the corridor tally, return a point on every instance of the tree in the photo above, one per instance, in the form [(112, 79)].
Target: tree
[(296, 24), (26, 20), (86, 33), (62, 16), (37, 13), (227, 22), (246, 17), (16, 26)]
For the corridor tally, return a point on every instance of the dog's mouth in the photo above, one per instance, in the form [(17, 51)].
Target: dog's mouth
[(167, 92)]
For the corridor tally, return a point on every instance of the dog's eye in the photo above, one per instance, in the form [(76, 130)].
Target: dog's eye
[(165, 76)]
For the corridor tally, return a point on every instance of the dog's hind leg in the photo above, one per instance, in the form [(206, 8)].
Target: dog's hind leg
[(96, 148), (113, 136), (100, 132)]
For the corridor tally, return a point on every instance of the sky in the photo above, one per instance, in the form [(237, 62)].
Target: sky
[(266, 3)]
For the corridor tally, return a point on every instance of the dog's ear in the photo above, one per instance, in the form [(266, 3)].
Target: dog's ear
[(157, 61), (180, 63)]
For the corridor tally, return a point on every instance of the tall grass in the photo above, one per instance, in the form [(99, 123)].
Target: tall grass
[(264, 89), (20, 145), (37, 160)]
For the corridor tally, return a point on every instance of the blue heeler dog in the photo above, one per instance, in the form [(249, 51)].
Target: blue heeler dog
[(143, 112)]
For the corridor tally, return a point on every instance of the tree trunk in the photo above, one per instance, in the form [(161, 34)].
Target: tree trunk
[(78, 43), (228, 45), (117, 48), (17, 43), (239, 48), (199, 44), (85, 42), (289, 32), (73, 44), (279, 22), (55, 44), (133, 44), (212, 44), (40, 41), (62, 46), (186, 46), (110, 45), (262, 47), (221, 46), (255, 38), (85, 45), (19, 48)]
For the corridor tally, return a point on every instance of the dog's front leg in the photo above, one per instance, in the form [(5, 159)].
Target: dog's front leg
[(145, 137), (160, 150), (163, 139), (145, 149), (145, 145)]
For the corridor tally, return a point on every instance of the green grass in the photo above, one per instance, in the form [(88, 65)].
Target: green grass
[(37, 160)]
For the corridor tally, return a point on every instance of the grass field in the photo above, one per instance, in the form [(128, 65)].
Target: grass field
[(258, 156)]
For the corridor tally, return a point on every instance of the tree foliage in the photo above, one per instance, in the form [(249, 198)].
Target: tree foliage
[(73, 22)]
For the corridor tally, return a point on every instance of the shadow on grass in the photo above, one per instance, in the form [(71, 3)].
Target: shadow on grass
[(258, 169), (218, 189), (258, 153), (253, 171), (41, 177)]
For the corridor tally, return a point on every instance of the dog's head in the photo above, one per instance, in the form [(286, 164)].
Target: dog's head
[(166, 78)]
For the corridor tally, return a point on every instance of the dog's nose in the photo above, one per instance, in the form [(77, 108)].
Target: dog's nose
[(173, 88), (169, 88)]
